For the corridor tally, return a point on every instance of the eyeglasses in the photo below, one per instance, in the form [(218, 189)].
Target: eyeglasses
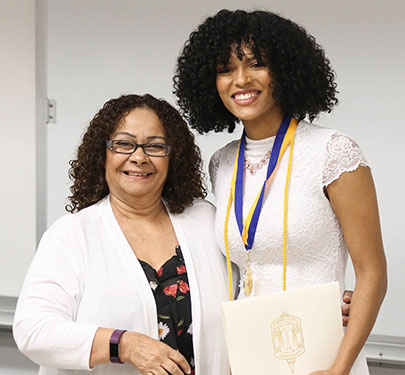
[(127, 147)]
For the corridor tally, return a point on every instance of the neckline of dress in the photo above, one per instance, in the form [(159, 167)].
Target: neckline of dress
[(258, 148)]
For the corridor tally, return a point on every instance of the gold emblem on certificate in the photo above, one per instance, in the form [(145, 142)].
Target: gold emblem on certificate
[(288, 338)]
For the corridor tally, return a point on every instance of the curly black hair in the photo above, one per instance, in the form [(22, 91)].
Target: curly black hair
[(87, 171), (302, 78)]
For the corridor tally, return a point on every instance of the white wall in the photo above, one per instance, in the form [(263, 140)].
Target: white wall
[(17, 118), (22, 148), (22, 158)]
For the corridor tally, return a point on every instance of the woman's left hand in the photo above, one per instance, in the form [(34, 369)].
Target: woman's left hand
[(326, 372)]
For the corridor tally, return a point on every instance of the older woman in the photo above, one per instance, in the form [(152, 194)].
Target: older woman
[(134, 275), (267, 72)]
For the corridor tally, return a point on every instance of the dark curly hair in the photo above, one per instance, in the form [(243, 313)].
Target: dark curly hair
[(303, 80), (184, 179)]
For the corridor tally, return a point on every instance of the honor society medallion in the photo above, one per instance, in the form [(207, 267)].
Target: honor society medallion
[(248, 282), (288, 338)]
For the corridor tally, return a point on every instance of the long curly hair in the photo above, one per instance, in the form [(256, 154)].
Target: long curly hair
[(87, 171), (302, 78)]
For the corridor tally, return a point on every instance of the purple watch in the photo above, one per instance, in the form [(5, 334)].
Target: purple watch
[(114, 342)]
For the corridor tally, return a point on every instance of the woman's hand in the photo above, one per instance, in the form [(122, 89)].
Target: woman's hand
[(347, 299), (325, 372), (151, 357), (331, 371)]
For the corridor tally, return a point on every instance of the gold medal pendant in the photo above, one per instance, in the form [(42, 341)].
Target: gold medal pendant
[(248, 278)]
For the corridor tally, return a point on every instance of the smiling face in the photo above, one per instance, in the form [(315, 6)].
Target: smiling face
[(244, 86), (137, 176)]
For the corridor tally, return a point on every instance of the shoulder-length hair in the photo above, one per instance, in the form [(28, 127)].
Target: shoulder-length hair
[(87, 171)]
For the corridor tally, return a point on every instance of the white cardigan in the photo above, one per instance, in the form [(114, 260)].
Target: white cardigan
[(85, 275)]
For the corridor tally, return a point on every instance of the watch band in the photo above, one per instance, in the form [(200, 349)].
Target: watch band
[(114, 342)]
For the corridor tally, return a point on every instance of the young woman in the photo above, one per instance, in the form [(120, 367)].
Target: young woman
[(319, 202)]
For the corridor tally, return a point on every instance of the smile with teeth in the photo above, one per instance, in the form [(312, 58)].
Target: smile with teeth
[(137, 174), (247, 95)]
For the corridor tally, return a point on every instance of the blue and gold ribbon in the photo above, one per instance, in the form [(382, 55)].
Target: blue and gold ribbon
[(248, 228)]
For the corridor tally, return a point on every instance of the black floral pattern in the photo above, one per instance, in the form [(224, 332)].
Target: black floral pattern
[(172, 295)]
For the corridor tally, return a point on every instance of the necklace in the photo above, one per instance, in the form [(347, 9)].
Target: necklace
[(254, 167), (248, 233)]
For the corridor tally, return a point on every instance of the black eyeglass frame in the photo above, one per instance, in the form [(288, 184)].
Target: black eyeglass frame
[(110, 142)]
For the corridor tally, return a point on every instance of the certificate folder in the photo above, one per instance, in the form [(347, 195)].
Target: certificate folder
[(286, 333)]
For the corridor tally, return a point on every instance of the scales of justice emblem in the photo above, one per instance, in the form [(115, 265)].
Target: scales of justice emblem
[(288, 339)]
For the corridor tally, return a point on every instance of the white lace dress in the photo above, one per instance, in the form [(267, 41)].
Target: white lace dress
[(316, 251)]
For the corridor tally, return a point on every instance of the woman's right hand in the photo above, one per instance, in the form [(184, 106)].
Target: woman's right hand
[(151, 357)]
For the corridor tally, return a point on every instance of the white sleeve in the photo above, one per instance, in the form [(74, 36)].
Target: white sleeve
[(44, 324), (343, 154)]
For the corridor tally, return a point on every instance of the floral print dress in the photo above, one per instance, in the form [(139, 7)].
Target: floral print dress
[(172, 295)]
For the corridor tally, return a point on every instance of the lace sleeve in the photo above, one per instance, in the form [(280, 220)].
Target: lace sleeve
[(343, 154), (213, 169)]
